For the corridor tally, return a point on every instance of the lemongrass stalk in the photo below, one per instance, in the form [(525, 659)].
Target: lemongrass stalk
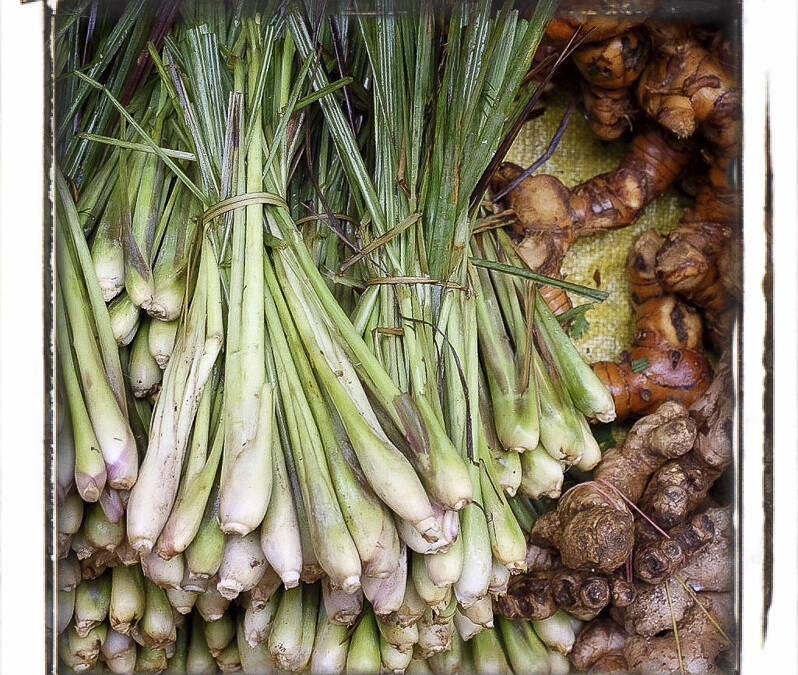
[(106, 247), (556, 632), (418, 667), (368, 522), (185, 378), (125, 319), (86, 649), (219, 633), (177, 661), (96, 192), (92, 599), (199, 660), (138, 239), (164, 573), (542, 474), (257, 623), (393, 660), (465, 627), (311, 602), (65, 608), (589, 394), (145, 373), (417, 542), (157, 626), (279, 533), (243, 565), (480, 612), (398, 633), (119, 652), (69, 517), (558, 663), (229, 659), (559, 428), (403, 493), (161, 340), (67, 573), (364, 647), (67, 661), (246, 489), (434, 634), (413, 605), (507, 464), (65, 449), (285, 637), (203, 555), (128, 600), (450, 661), (151, 660), (82, 548), (330, 647), (525, 651), (191, 504), (506, 538), (102, 323), (90, 472), (211, 604), (182, 601), (515, 411), (113, 504), (445, 568), (170, 267), (341, 607), (245, 359), (386, 594), (499, 578), (436, 597), (101, 532), (590, 453), (474, 580), (333, 545), (255, 659), (489, 657), (268, 585), (110, 426)]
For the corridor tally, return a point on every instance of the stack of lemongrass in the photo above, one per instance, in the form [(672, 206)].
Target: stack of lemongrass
[(292, 423)]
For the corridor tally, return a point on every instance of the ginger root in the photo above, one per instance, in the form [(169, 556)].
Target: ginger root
[(609, 69), (700, 641), (685, 88), (592, 531), (601, 638), (652, 441)]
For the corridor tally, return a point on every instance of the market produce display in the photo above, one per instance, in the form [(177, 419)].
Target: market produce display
[(319, 402)]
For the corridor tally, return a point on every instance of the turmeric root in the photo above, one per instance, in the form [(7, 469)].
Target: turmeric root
[(596, 23), (712, 568), (685, 88), (600, 639), (652, 441), (591, 530), (700, 641), (609, 69), (581, 594), (668, 343)]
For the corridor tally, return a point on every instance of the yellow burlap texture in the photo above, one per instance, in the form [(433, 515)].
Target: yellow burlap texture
[(578, 157)]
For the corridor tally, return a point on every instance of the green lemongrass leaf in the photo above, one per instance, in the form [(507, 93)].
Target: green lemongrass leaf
[(331, 88), (119, 143), (592, 293), (640, 365), (152, 144), (381, 240)]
